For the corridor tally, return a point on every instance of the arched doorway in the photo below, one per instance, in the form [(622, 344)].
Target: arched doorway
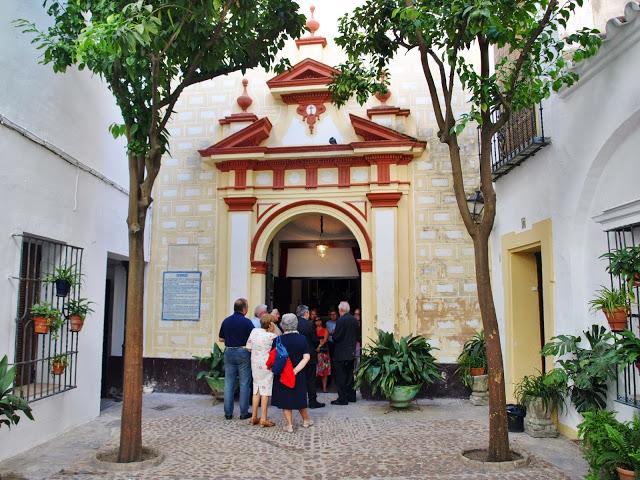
[(313, 260), (346, 274)]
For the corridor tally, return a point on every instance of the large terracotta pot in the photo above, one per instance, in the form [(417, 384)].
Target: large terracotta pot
[(41, 325), (57, 368), (477, 371), (617, 319), (75, 323), (624, 474), (402, 395)]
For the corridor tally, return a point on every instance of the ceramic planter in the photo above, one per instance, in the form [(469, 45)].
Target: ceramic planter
[(479, 390), (75, 323), (62, 288), (477, 371), (538, 421), (402, 395), (57, 368), (617, 319), (216, 384), (624, 474), (41, 325)]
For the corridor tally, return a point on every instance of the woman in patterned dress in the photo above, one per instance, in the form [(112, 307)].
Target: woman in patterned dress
[(323, 368), (259, 343)]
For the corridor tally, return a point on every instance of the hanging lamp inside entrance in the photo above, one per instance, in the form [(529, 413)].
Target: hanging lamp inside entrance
[(322, 248)]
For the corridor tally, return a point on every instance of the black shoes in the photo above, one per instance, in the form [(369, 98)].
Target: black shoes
[(245, 416), (339, 402), (352, 399), (228, 417), (316, 404)]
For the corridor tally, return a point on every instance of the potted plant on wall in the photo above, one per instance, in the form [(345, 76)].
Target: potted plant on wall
[(613, 303), (610, 447), (64, 278), (625, 263), (629, 348), (45, 318), (397, 368), (59, 363), (541, 394), (77, 311), (472, 361), (214, 375)]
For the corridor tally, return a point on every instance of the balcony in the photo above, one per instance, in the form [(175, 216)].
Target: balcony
[(519, 139)]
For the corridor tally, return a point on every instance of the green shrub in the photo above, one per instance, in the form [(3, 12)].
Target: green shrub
[(550, 387), (214, 363), (473, 355), (10, 405)]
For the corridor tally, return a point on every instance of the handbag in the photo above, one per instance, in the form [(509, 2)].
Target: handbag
[(281, 357)]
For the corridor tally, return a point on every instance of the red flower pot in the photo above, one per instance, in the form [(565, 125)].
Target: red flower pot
[(477, 371), (41, 325), (617, 319), (57, 368), (75, 323)]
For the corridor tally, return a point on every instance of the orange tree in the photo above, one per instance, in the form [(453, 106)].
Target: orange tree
[(446, 34), (148, 52)]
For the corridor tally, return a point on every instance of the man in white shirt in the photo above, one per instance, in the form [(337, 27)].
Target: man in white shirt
[(258, 312)]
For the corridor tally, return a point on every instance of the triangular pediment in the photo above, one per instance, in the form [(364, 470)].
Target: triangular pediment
[(250, 136), (307, 72), (372, 131)]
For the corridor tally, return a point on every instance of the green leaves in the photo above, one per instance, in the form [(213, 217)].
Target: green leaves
[(388, 363), (10, 405), (473, 355), (214, 363)]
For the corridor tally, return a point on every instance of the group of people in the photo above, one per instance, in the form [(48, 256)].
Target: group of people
[(315, 350)]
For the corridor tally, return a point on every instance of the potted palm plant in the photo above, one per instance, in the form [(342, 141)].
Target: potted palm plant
[(610, 447), (77, 311), (59, 363), (629, 348), (10, 404), (64, 278), (613, 303), (214, 374), (45, 318), (625, 263), (541, 394), (397, 368), (472, 361)]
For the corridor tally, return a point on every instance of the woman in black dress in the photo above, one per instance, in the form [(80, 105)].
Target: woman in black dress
[(285, 398)]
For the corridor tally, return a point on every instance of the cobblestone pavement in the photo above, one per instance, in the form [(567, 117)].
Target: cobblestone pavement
[(361, 441)]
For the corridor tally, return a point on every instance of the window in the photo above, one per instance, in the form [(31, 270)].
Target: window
[(628, 383), (34, 353)]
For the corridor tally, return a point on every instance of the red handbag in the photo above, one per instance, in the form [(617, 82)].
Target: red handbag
[(287, 377)]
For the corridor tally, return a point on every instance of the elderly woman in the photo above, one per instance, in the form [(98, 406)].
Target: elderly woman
[(259, 344), (285, 398)]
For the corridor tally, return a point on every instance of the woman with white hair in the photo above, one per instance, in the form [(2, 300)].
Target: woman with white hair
[(285, 398)]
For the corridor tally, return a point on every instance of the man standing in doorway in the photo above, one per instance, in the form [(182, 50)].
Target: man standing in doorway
[(234, 333), (258, 312), (344, 338), (308, 329)]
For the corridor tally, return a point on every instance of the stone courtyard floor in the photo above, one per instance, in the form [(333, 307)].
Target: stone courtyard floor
[(359, 441)]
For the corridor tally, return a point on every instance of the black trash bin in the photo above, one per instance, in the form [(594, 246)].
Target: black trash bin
[(515, 417)]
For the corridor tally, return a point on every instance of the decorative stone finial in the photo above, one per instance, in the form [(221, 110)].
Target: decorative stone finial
[(312, 24), (244, 100)]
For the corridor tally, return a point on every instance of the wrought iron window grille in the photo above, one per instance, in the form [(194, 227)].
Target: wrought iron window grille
[(34, 353), (520, 138), (628, 381)]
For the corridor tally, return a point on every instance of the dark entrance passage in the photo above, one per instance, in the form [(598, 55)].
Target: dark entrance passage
[(320, 293)]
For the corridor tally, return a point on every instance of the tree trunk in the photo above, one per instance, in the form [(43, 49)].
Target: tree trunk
[(131, 423), (498, 433)]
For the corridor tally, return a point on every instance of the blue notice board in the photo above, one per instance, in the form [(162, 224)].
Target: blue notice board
[(181, 296)]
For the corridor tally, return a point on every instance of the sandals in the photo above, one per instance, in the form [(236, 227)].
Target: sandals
[(288, 428), (307, 424), (266, 423), (254, 421)]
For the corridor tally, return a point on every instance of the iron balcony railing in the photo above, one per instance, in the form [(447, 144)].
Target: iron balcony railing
[(628, 381), (520, 138)]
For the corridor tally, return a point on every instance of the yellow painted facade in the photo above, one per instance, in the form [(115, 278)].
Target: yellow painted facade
[(434, 289)]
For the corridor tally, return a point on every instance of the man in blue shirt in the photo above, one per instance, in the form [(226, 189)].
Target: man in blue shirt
[(258, 312), (234, 333)]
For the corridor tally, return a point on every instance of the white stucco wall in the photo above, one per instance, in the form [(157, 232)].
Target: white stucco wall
[(592, 165), (42, 194)]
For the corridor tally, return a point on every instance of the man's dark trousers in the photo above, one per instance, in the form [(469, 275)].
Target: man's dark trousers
[(344, 380), (310, 373)]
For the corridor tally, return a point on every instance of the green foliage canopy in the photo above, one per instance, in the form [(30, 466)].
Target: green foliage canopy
[(148, 51), (446, 32)]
